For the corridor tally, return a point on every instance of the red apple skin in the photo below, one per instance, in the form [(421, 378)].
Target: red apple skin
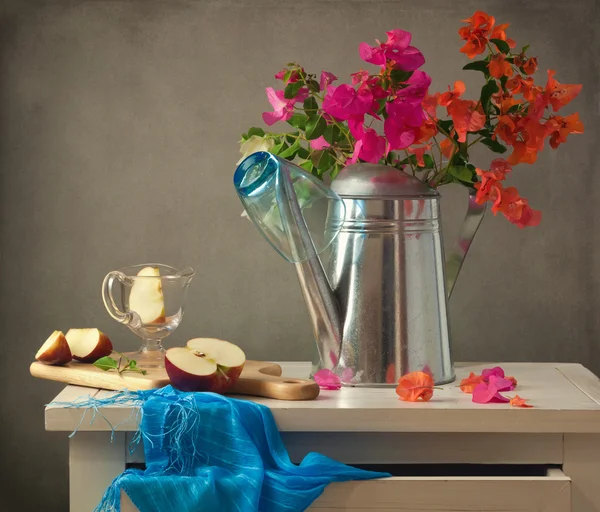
[(58, 354), (103, 348), (216, 383)]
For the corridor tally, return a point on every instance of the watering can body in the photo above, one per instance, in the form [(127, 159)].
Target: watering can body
[(377, 296)]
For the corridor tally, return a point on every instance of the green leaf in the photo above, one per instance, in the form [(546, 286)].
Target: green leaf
[(322, 160), (277, 148), (303, 153), (501, 45), (494, 145), (311, 106), (255, 131), (446, 125), (428, 162), (291, 151), (298, 121), (525, 48), (313, 86), (400, 76), (461, 173), (332, 134), (315, 127), (487, 90), (287, 75), (478, 65), (133, 367), (291, 90), (335, 171), (307, 166), (106, 363)]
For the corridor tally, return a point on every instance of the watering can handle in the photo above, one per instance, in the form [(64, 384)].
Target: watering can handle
[(467, 232)]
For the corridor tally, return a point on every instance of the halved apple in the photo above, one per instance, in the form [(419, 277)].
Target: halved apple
[(55, 350), (205, 364), (146, 296), (88, 345)]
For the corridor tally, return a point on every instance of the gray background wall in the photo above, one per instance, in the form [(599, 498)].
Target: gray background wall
[(119, 123)]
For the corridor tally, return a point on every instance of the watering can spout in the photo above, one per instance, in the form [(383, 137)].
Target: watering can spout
[(290, 208), (470, 225)]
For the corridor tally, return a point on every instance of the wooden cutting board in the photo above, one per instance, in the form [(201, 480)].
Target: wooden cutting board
[(258, 378)]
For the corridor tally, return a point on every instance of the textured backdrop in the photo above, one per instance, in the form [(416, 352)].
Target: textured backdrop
[(119, 123)]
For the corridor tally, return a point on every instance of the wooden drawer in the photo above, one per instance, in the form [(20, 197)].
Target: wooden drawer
[(550, 493)]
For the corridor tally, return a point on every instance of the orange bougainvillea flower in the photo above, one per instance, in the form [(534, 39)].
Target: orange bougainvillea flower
[(448, 97), (419, 152), (476, 33), (513, 380), (524, 86), (522, 154), (558, 94), (466, 118), (424, 132), (414, 386), (499, 32), (561, 127), (430, 103), (489, 188), (447, 146), (506, 129), (516, 208), (530, 66), (468, 384), (517, 401), (500, 67)]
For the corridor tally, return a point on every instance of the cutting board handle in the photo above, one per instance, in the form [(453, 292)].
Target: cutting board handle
[(281, 388)]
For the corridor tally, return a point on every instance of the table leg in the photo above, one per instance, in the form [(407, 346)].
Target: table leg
[(93, 464), (582, 465)]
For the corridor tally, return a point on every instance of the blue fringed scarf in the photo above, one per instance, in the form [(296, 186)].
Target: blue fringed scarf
[(212, 453)]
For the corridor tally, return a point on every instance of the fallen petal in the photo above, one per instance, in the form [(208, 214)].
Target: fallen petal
[(326, 379)]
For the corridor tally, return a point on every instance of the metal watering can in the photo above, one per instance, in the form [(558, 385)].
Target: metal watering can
[(378, 304)]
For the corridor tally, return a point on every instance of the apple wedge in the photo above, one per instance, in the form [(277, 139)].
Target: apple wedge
[(205, 364), (146, 296), (55, 350), (88, 345)]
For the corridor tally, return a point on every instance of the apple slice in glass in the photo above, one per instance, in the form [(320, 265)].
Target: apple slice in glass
[(146, 297)]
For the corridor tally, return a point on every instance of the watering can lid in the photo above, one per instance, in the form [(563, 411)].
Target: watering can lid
[(375, 180)]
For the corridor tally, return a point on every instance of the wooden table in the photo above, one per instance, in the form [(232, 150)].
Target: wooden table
[(452, 454)]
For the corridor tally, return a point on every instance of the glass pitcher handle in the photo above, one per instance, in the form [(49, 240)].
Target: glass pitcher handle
[(109, 301), (467, 232)]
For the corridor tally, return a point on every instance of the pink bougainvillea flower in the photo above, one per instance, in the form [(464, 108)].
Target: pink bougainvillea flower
[(397, 48), (356, 126), (327, 78), (418, 84), (500, 383), (359, 77), (326, 379), (283, 109), (319, 143), (347, 375), (343, 101), (487, 393), (402, 123), (372, 54), (371, 148), (496, 371)]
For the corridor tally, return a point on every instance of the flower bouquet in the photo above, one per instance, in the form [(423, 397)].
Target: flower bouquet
[(389, 116)]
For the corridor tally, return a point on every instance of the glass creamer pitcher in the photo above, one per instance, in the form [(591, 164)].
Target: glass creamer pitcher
[(150, 302)]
